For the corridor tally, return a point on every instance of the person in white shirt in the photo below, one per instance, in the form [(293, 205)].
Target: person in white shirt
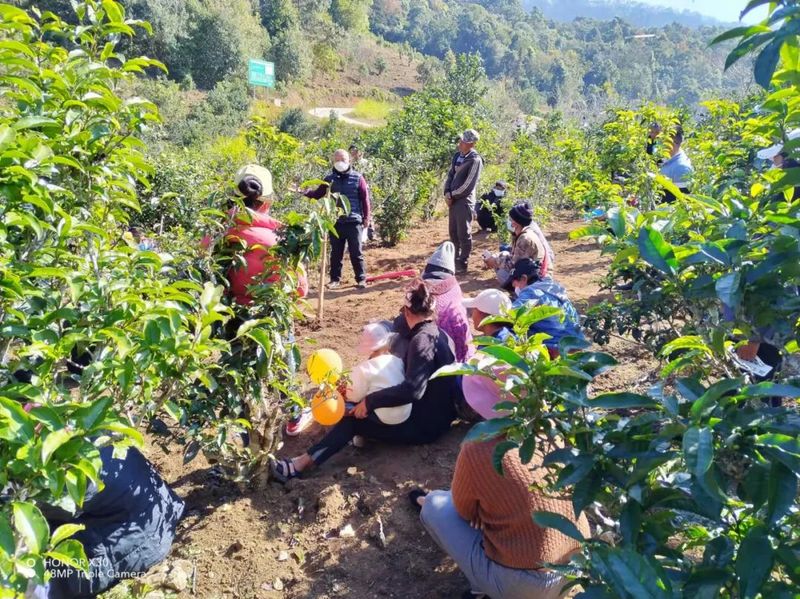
[(381, 370)]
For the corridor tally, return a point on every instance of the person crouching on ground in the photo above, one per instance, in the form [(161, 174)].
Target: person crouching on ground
[(533, 289), (451, 315), (345, 180), (479, 393), (489, 302), (484, 523), (433, 401), (491, 206), (529, 242)]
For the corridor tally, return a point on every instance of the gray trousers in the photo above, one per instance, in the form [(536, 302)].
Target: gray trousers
[(465, 545), (461, 230)]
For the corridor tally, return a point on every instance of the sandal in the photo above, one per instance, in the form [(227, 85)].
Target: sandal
[(283, 470), (414, 495)]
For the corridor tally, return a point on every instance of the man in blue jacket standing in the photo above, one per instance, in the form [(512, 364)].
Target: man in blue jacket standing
[(344, 180), (459, 193), (531, 288)]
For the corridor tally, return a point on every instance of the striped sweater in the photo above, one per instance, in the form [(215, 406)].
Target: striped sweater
[(463, 176), (504, 505)]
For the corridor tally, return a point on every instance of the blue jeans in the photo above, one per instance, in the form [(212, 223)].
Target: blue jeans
[(465, 545)]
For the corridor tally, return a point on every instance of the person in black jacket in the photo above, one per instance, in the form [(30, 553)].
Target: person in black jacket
[(129, 527), (491, 207), (429, 348)]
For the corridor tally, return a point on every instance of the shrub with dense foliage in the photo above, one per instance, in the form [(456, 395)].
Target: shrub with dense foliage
[(99, 338)]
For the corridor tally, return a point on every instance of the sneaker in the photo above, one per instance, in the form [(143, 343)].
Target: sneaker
[(299, 423), (334, 285), (361, 284), (461, 268), (359, 441)]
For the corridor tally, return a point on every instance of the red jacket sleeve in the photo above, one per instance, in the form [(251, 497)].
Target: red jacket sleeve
[(363, 195)]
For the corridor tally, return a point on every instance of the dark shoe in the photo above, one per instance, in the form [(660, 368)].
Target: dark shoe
[(474, 595), (283, 470), (414, 495), (461, 268)]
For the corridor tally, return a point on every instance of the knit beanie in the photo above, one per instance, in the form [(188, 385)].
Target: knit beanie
[(522, 214), (443, 259)]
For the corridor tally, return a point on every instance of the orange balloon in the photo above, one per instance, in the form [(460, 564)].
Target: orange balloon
[(327, 407)]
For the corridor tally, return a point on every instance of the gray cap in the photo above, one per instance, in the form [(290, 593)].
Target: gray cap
[(444, 257), (470, 136)]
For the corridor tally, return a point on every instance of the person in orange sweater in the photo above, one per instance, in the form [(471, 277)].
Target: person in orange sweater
[(484, 523)]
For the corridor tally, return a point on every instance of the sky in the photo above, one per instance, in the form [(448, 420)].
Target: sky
[(724, 10)]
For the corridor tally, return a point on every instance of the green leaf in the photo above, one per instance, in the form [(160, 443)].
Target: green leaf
[(31, 526), (113, 11), (728, 288), (7, 135), (706, 403), (34, 122), (53, 441), (489, 429), (698, 450), (559, 522), (622, 400), (500, 451), (64, 532), (767, 61), (782, 492), (655, 251), (15, 424), (505, 355), (88, 416), (754, 562), (7, 543), (70, 552)]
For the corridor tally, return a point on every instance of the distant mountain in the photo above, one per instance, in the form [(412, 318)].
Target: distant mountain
[(636, 13)]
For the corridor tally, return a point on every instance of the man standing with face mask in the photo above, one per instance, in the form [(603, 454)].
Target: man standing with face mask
[(459, 193), (351, 184)]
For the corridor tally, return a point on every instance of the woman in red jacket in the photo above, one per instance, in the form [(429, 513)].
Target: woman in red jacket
[(258, 230)]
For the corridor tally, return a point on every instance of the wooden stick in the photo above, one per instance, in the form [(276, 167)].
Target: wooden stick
[(323, 260)]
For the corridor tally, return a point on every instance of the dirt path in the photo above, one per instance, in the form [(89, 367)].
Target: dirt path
[(236, 540), (324, 112)]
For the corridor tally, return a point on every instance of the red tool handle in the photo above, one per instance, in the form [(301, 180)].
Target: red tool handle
[(398, 274)]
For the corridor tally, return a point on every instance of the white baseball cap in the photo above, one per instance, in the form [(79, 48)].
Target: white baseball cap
[(259, 172), (489, 301), (772, 151), (374, 337)]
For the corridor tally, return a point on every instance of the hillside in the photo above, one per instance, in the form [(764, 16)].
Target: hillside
[(636, 13)]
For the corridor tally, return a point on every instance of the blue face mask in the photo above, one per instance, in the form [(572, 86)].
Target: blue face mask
[(499, 192), (510, 224)]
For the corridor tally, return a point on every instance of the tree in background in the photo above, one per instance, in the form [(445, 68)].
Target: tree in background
[(353, 15)]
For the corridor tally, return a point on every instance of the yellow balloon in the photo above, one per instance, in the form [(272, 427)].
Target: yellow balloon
[(324, 366), (327, 407)]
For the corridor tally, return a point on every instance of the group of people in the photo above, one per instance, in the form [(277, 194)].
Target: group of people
[(484, 522)]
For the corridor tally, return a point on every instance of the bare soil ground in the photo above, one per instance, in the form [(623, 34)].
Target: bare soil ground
[(236, 540)]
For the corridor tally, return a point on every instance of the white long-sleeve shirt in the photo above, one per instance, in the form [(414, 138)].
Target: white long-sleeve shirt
[(375, 374)]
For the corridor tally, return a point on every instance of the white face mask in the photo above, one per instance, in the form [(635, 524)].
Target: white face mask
[(341, 165), (510, 224), (499, 192)]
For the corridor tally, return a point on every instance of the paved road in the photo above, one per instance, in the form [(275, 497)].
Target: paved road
[(323, 112)]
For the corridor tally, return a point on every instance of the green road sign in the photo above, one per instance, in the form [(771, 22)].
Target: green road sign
[(260, 72)]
